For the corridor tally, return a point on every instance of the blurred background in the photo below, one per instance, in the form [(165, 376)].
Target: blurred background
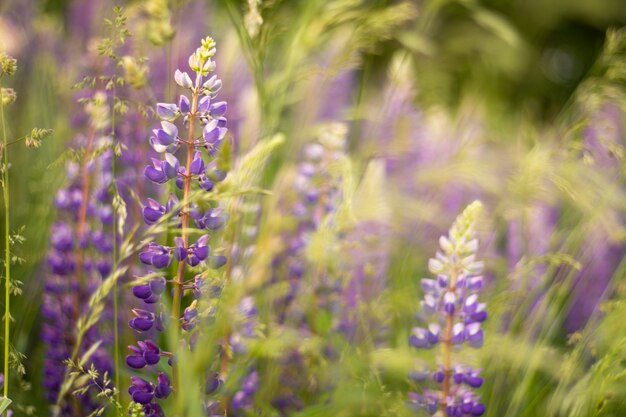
[(519, 104)]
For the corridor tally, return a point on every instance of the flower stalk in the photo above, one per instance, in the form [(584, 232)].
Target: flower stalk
[(78, 259), (446, 344), (180, 275), (8, 66), (7, 249)]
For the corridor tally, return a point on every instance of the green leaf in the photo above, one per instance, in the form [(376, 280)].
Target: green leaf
[(4, 404), (224, 159), (87, 355)]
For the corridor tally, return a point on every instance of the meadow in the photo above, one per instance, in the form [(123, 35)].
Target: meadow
[(313, 208)]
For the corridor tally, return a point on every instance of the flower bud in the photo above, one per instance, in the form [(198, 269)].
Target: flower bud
[(8, 96), (183, 79), (8, 64)]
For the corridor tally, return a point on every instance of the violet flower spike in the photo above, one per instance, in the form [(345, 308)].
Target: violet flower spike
[(81, 242), (196, 168), (452, 302)]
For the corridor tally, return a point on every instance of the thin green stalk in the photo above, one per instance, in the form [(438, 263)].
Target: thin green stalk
[(446, 346), (14, 141), (116, 335), (7, 251), (185, 214)]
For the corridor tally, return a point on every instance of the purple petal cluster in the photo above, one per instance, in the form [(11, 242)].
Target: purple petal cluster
[(243, 399), (144, 392), (454, 313)]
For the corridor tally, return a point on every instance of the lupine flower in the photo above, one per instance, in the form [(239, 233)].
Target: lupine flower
[(316, 195), (143, 320), (150, 292), (145, 353), (201, 112), (80, 247), (451, 303), (143, 392)]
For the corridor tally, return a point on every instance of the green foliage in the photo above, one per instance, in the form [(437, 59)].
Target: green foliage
[(250, 168), (291, 42), (87, 377), (592, 374), (118, 33)]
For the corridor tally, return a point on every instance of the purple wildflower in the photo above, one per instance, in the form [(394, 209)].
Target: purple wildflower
[(199, 171), (316, 196), (451, 301), (79, 258)]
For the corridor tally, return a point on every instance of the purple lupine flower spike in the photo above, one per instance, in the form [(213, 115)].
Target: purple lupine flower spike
[(81, 243), (180, 127), (316, 195), (452, 303)]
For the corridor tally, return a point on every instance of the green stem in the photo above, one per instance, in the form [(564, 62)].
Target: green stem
[(446, 346), (184, 211), (14, 141), (116, 333), (80, 256), (7, 255)]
